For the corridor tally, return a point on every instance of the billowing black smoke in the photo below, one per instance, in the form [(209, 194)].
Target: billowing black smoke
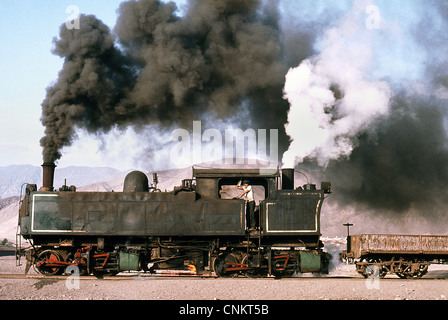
[(380, 96), (219, 58), (400, 164), (90, 88), (383, 143)]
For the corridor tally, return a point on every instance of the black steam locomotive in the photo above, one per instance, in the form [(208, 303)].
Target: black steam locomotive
[(200, 226)]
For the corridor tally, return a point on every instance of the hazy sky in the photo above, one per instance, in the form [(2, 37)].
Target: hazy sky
[(27, 68)]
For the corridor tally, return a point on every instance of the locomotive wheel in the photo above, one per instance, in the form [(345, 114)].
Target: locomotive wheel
[(48, 255), (279, 268), (70, 257), (253, 272), (222, 263)]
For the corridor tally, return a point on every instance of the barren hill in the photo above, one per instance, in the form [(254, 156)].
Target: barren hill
[(12, 178), (9, 212)]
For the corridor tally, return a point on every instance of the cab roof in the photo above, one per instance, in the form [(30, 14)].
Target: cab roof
[(236, 173)]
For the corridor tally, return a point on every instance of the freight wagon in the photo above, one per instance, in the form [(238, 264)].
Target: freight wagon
[(408, 256)]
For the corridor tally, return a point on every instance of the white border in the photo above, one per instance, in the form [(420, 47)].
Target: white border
[(32, 213), (291, 231)]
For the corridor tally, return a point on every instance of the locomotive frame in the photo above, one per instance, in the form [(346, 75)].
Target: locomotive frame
[(196, 226)]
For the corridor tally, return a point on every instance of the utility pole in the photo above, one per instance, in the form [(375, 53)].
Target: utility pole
[(348, 225)]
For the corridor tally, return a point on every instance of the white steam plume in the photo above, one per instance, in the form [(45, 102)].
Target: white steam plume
[(332, 95)]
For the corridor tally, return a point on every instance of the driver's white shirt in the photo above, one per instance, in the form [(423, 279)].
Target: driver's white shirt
[(249, 196)]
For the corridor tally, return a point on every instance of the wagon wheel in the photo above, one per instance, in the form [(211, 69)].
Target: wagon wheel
[(375, 269), (383, 272), (48, 256), (423, 269), (401, 270), (406, 273)]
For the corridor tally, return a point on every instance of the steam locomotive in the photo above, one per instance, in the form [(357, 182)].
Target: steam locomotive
[(199, 225)]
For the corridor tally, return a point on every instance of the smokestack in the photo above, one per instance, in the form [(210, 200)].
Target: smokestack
[(48, 176), (287, 179)]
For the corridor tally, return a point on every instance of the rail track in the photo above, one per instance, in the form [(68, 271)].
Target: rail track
[(162, 275), (124, 276), (150, 276), (192, 276)]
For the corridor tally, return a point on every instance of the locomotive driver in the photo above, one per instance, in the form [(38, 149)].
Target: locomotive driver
[(250, 201)]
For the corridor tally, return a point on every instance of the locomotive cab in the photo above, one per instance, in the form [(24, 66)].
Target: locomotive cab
[(221, 184)]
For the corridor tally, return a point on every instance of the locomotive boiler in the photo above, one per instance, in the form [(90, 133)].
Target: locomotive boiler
[(198, 225)]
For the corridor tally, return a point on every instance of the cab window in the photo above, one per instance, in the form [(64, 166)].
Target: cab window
[(228, 190)]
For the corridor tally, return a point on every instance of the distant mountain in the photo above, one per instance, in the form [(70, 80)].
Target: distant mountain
[(13, 177), (80, 176), (167, 180), (9, 214)]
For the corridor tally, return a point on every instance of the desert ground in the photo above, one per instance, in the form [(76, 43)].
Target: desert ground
[(342, 283)]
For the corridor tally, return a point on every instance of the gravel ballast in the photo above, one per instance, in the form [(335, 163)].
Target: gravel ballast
[(343, 283)]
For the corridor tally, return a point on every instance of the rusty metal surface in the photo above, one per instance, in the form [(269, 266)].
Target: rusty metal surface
[(48, 176), (404, 244), (293, 211), (133, 213)]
